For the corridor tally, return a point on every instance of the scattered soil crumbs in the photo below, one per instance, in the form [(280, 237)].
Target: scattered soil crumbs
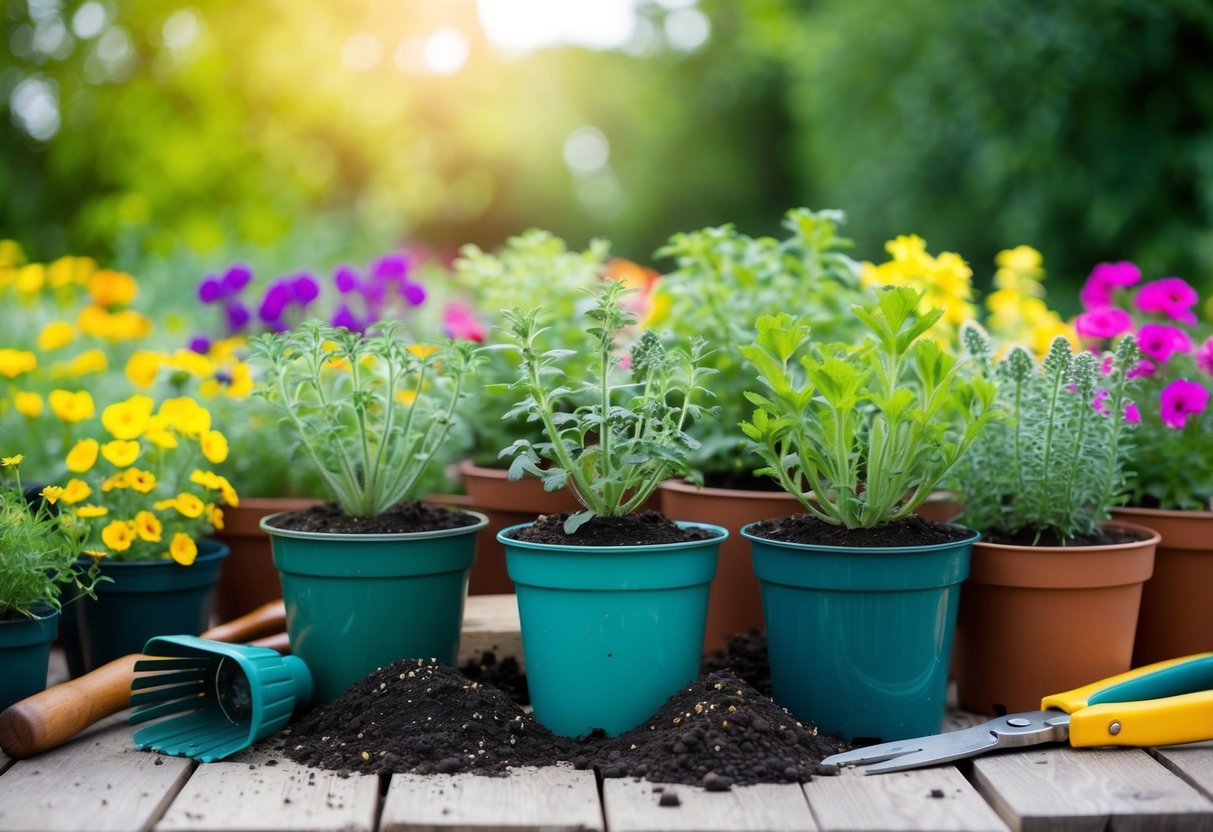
[(637, 529), (505, 675), (715, 733), (1103, 537), (407, 516), (908, 531), (746, 655)]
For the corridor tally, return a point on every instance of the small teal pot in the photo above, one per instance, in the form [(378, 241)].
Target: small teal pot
[(610, 632), (25, 650), (860, 638), (357, 602), (145, 600)]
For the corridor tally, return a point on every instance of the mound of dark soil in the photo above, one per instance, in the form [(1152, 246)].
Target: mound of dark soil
[(638, 529), (908, 531), (745, 654), (407, 516)]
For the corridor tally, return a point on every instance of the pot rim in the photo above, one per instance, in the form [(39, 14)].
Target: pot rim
[(720, 534), (466, 466), (683, 487), (220, 550), (1139, 511), (273, 531), (1152, 538), (860, 550)]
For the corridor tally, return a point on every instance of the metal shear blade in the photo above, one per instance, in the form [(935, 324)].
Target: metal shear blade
[(1010, 731)]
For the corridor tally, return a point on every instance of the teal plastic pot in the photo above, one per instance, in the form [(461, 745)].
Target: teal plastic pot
[(860, 638), (25, 650), (610, 632), (145, 600), (357, 602)]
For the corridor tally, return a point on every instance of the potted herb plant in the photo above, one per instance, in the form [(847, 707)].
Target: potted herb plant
[(1170, 463), (724, 280), (38, 561), (612, 603), (376, 576), (859, 593), (1053, 593)]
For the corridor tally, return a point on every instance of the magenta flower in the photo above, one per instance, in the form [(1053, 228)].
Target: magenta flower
[(236, 278), (238, 316), (413, 293), (1132, 414), (344, 317), (210, 289), (1181, 399), (1097, 403), (346, 279), (1103, 322), (1171, 296), (1204, 357), (1145, 367), (1105, 278), (1160, 341), (391, 267), (305, 288), (459, 321)]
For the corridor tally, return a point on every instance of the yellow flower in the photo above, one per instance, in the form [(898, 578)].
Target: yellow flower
[(115, 481), (148, 527), (183, 549), (27, 404), (89, 361), (141, 481), (161, 505), (90, 511), (229, 495), (186, 415), (128, 419), (142, 366), (68, 270), (214, 516), (110, 288), (56, 335), (162, 438), (10, 461), (72, 407), (658, 311), (15, 362), (406, 397), (120, 452), (52, 493), (193, 363), (1020, 259), (113, 326), (241, 384), (118, 535), (214, 446), (83, 455), (422, 351), (75, 491), (188, 505), (31, 278), (207, 479), (10, 253), (96, 554)]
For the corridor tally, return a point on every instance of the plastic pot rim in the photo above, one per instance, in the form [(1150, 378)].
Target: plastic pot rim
[(859, 550), (719, 534), (273, 531)]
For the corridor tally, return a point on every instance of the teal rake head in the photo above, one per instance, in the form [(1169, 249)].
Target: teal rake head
[(224, 697)]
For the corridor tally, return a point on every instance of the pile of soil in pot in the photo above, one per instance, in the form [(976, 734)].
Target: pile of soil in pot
[(745, 654), (406, 516), (908, 531), (640, 528)]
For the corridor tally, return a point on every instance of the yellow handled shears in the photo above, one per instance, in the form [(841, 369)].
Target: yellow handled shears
[(1166, 703)]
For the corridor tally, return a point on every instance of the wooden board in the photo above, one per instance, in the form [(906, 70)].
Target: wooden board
[(490, 623), (548, 799), (1066, 788), (632, 806), (97, 782), (1193, 763), (931, 798)]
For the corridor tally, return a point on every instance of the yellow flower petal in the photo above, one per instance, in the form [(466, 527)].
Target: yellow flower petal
[(118, 535), (83, 456), (52, 493), (120, 452), (183, 549)]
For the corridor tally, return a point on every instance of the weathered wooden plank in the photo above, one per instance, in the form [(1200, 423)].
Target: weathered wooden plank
[(633, 806), (931, 798), (1193, 763), (549, 799), (490, 623), (1067, 788), (98, 782)]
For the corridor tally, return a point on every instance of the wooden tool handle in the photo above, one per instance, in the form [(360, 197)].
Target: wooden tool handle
[(48, 719)]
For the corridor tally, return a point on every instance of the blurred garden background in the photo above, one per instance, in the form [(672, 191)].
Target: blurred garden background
[(173, 138)]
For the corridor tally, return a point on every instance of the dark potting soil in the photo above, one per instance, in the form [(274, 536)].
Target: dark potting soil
[(506, 676), (739, 480), (406, 516), (745, 654), (908, 531), (1103, 537), (641, 528)]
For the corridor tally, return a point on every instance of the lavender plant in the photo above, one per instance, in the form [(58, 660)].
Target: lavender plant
[(1055, 467), (614, 451), (861, 434)]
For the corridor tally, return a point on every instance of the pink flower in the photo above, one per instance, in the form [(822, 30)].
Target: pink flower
[(1145, 367), (1104, 279), (1097, 403), (1103, 322), (1204, 357), (459, 321), (1160, 341), (1132, 414), (1171, 296), (1181, 399)]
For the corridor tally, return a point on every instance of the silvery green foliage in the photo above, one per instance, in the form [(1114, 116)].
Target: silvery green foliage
[(1055, 466)]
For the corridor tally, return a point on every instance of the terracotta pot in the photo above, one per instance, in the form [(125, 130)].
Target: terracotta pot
[(735, 604), (248, 578), (940, 507), (1176, 617), (505, 503), (1038, 620)]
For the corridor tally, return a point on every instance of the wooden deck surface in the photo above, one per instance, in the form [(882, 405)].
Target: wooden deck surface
[(99, 782)]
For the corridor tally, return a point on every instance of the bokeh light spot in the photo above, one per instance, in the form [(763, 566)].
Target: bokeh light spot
[(586, 150), (35, 104), (89, 20), (687, 29), (445, 51), (526, 25), (180, 29)]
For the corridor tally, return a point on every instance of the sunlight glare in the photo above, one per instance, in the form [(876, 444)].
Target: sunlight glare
[(445, 51), (526, 25)]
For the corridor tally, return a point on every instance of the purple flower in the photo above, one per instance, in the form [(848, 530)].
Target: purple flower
[(413, 293), (1106, 278), (1160, 341), (1132, 414), (390, 267), (346, 318), (238, 316), (210, 289), (200, 344), (236, 278), (1181, 399), (1097, 403), (346, 279), (1103, 322), (1171, 296), (277, 296), (305, 288), (1204, 357), (1145, 367)]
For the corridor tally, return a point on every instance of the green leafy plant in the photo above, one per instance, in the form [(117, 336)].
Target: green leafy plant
[(1055, 467), (614, 451), (861, 434), (724, 281), (39, 550), (370, 412)]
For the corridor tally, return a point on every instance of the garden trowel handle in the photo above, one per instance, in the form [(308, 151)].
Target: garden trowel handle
[(48, 719)]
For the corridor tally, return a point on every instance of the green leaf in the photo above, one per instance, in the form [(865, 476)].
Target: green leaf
[(576, 520)]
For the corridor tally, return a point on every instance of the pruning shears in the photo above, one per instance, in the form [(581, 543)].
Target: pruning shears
[(1166, 703)]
